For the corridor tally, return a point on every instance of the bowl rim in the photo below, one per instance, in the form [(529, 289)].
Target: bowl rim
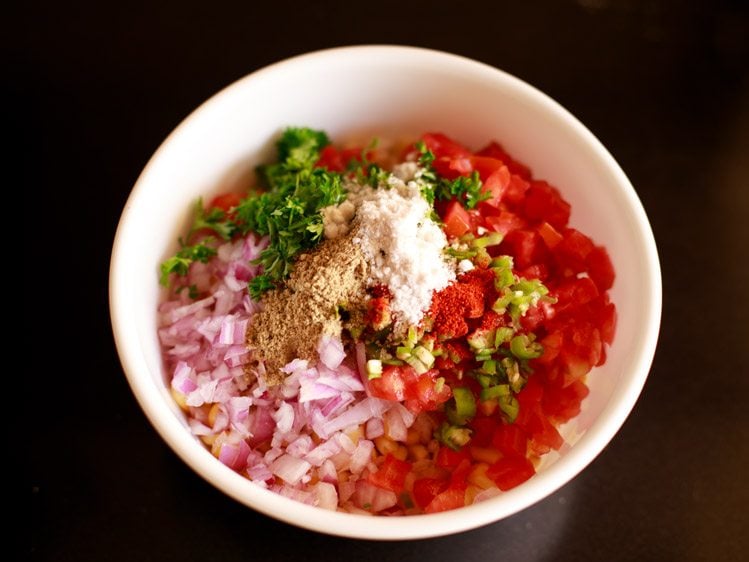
[(291, 511)]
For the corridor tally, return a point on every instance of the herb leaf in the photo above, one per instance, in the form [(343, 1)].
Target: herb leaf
[(180, 262), (289, 212), (467, 190)]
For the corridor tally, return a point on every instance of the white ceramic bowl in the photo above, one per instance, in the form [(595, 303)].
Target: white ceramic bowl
[(385, 90)]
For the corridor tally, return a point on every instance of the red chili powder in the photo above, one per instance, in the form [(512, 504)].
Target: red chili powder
[(464, 299)]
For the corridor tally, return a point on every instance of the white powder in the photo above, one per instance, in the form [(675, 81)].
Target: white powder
[(403, 247)]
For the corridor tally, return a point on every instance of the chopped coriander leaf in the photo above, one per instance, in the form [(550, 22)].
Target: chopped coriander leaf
[(426, 156), (180, 262), (299, 147), (214, 219), (258, 285)]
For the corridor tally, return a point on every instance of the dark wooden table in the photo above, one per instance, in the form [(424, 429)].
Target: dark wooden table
[(95, 88)]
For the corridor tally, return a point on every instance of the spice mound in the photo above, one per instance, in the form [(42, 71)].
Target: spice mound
[(325, 283)]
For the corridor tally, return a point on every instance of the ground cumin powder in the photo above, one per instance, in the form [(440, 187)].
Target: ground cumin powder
[(294, 317)]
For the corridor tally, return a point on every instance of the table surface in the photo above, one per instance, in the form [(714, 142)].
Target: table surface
[(663, 84)]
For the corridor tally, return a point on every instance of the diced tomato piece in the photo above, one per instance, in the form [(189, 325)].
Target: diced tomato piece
[(505, 222), (551, 235), (483, 430), (457, 220), (510, 440), (544, 203), (391, 475), (536, 271), (600, 268), (563, 403), (354, 154), (581, 349), (574, 293), (544, 436), (552, 345), (225, 202), (535, 315), (525, 246), (391, 385), (529, 399), (494, 150), (515, 193), (486, 167), (607, 323), (572, 252), (331, 159), (448, 458), (452, 168), (459, 475), (496, 185), (425, 490), (427, 394), (449, 499), (443, 146), (509, 472)]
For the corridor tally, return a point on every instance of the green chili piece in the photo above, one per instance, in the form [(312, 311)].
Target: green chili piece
[(523, 347)]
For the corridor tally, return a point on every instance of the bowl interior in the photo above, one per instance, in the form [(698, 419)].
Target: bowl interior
[(388, 92)]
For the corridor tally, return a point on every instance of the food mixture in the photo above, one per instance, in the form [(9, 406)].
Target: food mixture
[(386, 331)]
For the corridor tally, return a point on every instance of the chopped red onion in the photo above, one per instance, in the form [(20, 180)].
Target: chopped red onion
[(326, 495), (290, 469)]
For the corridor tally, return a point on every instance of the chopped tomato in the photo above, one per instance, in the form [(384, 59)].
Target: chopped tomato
[(496, 185), (457, 220), (391, 475), (505, 222), (483, 430), (331, 159), (425, 490), (449, 499), (525, 246), (544, 203), (443, 146), (563, 404), (509, 472), (551, 235), (600, 268), (573, 251), (448, 458), (452, 168), (486, 167), (510, 440), (494, 150), (514, 195), (544, 436), (226, 202)]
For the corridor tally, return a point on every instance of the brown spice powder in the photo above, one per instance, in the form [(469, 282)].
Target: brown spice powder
[(295, 316)]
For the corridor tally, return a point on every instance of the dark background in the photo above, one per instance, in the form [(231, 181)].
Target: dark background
[(95, 88)]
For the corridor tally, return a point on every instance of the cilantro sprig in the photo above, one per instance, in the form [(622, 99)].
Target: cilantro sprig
[(467, 190), (187, 254), (288, 212)]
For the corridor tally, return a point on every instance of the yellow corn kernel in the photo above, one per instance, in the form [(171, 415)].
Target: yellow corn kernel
[(218, 441), (417, 452), (212, 413), (355, 434), (180, 399), (208, 439), (400, 452), (485, 454), (477, 476), (385, 445), (412, 437), (471, 493)]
